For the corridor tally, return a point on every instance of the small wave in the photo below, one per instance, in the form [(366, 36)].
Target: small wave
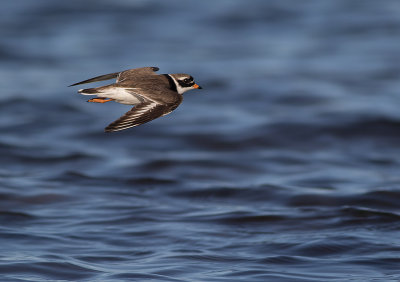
[(376, 199), (14, 216), (364, 215), (47, 270)]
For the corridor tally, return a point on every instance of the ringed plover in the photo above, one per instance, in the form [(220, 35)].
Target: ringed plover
[(151, 94)]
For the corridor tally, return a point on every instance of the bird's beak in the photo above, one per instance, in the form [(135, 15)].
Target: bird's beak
[(197, 86)]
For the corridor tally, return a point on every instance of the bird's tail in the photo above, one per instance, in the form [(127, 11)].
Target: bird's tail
[(88, 91)]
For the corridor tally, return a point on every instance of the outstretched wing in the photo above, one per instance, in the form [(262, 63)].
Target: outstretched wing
[(138, 72), (140, 114), (122, 75), (98, 78)]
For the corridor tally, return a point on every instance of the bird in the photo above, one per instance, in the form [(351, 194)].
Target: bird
[(152, 95)]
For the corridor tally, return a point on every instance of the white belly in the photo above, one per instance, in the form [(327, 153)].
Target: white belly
[(121, 95)]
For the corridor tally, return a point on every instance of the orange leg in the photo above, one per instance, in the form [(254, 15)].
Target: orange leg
[(100, 100)]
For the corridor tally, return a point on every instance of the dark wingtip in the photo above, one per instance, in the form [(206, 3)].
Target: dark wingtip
[(109, 129)]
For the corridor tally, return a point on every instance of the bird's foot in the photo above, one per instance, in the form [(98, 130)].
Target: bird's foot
[(100, 100)]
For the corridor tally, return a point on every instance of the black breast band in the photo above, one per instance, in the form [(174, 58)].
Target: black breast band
[(172, 84)]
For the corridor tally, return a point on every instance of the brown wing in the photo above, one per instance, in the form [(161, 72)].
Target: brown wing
[(120, 75), (98, 78), (140, 114), (132, 73)]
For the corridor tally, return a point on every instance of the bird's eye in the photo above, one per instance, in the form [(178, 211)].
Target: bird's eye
[(186, 80)]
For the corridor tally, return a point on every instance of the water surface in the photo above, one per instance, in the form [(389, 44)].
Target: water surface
[(284, 168)]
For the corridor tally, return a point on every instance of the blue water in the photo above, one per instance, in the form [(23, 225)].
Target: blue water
[(285, 167)]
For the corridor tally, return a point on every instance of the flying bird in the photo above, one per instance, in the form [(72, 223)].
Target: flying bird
[(151, 94)]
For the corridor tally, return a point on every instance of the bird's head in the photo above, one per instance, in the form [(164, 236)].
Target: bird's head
[(184, 82)]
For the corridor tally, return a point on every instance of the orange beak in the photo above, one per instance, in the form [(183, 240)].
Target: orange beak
[(197, 86)]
